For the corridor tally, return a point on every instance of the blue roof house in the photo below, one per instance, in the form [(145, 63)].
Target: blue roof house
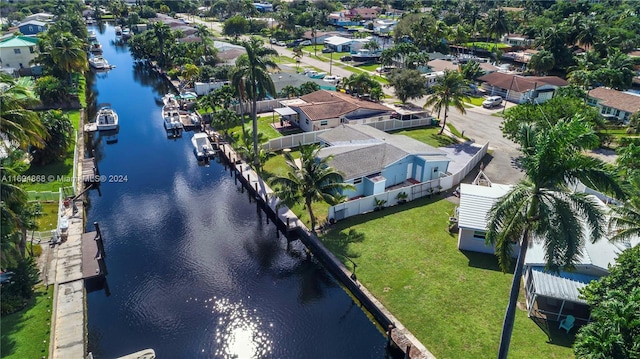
[(373, 160), (32, 27)]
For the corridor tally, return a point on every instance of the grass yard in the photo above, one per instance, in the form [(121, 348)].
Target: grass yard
[(49, 218), (453, 302), (476, 101), (428, 135), (369, 67), (61, 169), (485, 45), (264, 126), (26, 334)]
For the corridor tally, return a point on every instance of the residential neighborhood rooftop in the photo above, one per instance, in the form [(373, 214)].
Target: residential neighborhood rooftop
[(620, 100), (521, 83), (330, 104)]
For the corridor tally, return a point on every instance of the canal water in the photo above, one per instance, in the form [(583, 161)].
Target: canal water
[(194, 270)]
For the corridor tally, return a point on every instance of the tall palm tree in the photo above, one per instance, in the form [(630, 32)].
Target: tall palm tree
[(449, 90), (18, 123), (312, 181), (297, 55), (497, 24), (255, 71), (162, 33), (68, 54), (543, 207), (624, 222)]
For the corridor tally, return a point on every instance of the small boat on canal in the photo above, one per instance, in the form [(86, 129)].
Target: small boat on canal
[(171, 116), (99, 63), (118, 30), (92, 36), (107, 118), (95, 48), (202, 146)]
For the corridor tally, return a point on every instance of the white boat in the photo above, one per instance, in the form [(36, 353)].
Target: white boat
[(202, 146), (99, 63), (107, 118), (118, 30), (95, 47), (316, 74), (92, 35), (126, 33), (171, 116)]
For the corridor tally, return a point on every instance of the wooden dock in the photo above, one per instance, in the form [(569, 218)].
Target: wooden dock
[(91, 256), (90, 173)]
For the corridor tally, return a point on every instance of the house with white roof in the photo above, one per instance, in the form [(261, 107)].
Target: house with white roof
[(32, 27), (549, 295), (373, 160), (339, 43)]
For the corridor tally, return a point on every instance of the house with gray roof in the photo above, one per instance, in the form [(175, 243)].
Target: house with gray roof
[(373, 160), (549, 295)]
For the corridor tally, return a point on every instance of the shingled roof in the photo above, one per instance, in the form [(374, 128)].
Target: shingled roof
[(325, 104), (361, 150), (616, 99), (521, 83)]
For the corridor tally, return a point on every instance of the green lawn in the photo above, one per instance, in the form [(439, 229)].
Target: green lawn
[(369, 67), (485, 45), (62, 170), (428, 135), (476, 101), (264, 126), (49, 218), (26, 334), (453, 302)]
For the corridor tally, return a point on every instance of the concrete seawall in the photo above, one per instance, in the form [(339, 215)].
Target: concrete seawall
[(287, 220)]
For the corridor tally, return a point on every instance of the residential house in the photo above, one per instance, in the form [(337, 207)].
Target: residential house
[(32, 27), (549, 295), (384, 26), (364, 13), (41, 16), (613, 104), (339, 43), (320, 36), (521, 89), (341, 18), (18, 52), (327, 109), (291, 78), (373, 160), (517, 40), (227, 52)]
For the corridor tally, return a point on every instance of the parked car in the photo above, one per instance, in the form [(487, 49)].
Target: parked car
[(281, 43), (326, 50), (492, 101), (273, 41), (346, 58), (305, 43)]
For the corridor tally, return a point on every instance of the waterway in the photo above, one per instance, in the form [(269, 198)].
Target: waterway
[(194, 270)]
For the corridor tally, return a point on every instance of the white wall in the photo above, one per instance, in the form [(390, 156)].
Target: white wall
[(10, 59)]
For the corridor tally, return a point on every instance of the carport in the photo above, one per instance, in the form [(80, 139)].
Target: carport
[(554, 296)]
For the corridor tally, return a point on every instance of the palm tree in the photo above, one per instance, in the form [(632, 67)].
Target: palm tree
[(18, 123), (254, 70), (297, 55), (68, 54), (289, 91), (449, 90), (624, 222), (543, 207), (497, 24), (312, 181), (162, 33)]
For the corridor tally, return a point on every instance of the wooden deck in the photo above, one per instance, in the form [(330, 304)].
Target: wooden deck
[(90, 256), (90, 172)]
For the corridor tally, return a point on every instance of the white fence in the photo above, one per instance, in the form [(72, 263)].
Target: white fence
[(290, 141), (312, 137), (391, 124), (75, 165), (261, 106), (368, 204)]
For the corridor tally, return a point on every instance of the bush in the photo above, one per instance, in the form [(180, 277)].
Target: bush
[(11, 304)]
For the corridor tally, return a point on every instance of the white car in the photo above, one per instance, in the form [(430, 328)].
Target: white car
[(492, 101), (281, 43), (305, 43)]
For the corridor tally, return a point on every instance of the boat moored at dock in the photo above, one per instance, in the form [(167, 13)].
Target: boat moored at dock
[(99, 63), (171, 116), (107, 118), (202, 146)]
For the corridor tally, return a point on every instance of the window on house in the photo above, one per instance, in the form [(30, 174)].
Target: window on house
[(307, 121), (357, 180), (31, 49), (16, 51), (479, 235), (30, 28), (435, 169), (324, 123)]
